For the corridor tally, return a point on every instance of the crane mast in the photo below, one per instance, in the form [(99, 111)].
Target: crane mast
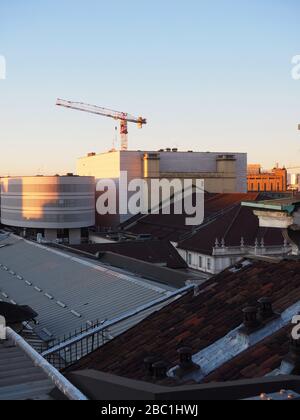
[(123, 117)]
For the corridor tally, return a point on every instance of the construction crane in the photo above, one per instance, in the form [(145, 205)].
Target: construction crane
[(123, 117)]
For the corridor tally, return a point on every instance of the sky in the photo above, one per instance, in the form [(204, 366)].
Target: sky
[(209, 75)]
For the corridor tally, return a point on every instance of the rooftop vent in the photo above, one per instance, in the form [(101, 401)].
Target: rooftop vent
[(175, 150), (91, 154), (250, 318), (160, 370), (186, 364), (265, 308), (168, 149)]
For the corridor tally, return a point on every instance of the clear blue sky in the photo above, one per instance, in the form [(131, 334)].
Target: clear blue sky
[(208, 74)]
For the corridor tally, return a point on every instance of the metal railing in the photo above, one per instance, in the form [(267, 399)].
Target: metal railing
[(67, 352), (70, 354)]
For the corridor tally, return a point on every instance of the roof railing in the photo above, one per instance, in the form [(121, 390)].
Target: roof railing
[(70, 351)]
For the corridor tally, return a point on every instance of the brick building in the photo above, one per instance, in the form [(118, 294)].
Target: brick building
[(275, 180)]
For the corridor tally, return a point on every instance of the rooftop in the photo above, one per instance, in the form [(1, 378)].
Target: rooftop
[(205, 321), (20, 379), (257, 362), (237, 223), (173, 227), (68, 291), (152, 251)]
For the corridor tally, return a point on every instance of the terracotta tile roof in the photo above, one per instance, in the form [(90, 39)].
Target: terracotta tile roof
[(173, 227), (232, 226), (156, 252), (198, 321), (257, 362)]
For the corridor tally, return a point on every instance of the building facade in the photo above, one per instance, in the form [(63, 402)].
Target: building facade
[(272, 181), (53, 207), (221, 172), (224, 256)]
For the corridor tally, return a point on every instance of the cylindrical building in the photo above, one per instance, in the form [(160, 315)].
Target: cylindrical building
[(51, 204)]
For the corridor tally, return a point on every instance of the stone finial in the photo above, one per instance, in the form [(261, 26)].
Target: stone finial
[(242, 242), (223, 243), (217, 243), (262, 243)]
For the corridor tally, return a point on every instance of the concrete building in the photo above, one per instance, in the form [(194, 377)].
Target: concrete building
[(275, 180), (222, 172), (54, 207)]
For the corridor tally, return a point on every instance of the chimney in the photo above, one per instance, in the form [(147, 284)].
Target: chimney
[(265, 308), (160, 370), (250, 318), (186, 364), (148, 363), (185, 358)]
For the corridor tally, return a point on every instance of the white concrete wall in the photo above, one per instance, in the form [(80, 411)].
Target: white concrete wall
[(210, 264)]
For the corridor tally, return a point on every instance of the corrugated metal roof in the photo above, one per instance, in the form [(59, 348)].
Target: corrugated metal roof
[(20, 379), (66, 291)]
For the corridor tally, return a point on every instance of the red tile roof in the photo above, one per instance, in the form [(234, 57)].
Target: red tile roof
[(239, 222), (256, 362), (173, 227), (198, 321), (156, 252)]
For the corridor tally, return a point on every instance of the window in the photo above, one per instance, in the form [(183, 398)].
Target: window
[(189, 258), (200, 262), (208, 264)]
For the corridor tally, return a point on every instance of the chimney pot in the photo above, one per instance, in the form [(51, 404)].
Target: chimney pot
[(160, 370), (265, 308), (185, 357), (250, 317)]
